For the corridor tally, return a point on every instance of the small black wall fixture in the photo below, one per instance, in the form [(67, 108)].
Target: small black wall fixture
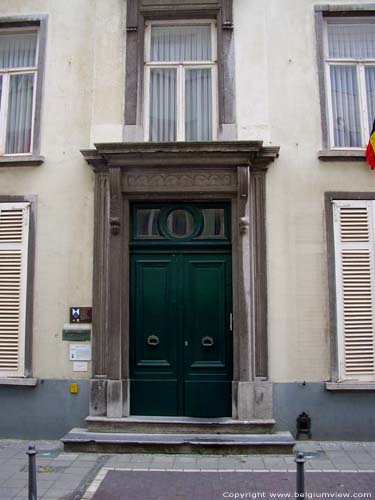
[(303, 425)]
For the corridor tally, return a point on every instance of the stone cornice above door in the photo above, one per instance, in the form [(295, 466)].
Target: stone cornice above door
[(174, 154)]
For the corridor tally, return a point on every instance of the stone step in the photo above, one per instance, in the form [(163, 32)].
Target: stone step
[(117, 442), (179, 425)]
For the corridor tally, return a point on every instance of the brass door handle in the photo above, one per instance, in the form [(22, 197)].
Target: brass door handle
[(207, 341), (153, 340)]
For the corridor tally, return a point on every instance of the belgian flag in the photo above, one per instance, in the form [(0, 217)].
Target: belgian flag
[(370, 150)]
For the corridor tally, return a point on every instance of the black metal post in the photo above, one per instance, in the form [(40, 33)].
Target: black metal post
[(32, 472), (300, 486)]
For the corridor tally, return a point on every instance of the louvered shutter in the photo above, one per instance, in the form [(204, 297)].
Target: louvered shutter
[(355, 288), (14, 232)]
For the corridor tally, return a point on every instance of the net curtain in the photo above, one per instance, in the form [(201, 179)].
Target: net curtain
[(18, 50), (180, 44)]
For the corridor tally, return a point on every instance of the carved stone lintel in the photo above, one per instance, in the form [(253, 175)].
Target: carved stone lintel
[(115, 200), (181, 180)]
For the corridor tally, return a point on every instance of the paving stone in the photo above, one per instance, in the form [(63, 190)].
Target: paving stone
[(361, 458), (6, 492), (49, 476), (55, 493)]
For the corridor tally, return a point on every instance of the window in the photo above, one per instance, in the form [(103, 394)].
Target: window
[(194, 223), (18, 73), (354, 254), (350, 80), (14, 242), (180, 81)]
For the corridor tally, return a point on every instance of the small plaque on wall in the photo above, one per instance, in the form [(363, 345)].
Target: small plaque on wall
[(79, 352), (81, 314), (80, 366)]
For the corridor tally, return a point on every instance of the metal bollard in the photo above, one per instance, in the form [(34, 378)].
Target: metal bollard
[(32, 472), (300, 486)]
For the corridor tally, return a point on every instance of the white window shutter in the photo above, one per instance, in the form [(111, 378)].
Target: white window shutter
[(355, 288), (14, 235)]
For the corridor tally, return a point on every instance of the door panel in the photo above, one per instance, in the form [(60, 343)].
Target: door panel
[(207, 366), (153, 352), (181, 303)]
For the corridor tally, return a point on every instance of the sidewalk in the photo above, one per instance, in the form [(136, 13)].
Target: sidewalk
[(74, 476)]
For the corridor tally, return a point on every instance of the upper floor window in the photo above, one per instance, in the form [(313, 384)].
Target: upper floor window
[(18, 77), (350, 80), (180, 81)]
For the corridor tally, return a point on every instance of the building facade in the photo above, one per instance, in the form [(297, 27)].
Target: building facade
[(195, 173)]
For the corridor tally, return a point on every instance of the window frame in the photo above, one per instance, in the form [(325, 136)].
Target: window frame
[(336, 343), (36, 23), (25, 377), (180, 67), (359, 64), (6, 75)]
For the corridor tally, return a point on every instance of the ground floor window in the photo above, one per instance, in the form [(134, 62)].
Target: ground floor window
[(354, 256), (14, 242)]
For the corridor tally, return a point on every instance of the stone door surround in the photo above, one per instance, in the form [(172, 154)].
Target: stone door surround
[(184, 171)]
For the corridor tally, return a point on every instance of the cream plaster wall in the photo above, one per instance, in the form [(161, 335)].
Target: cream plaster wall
[(64, 183), (278, 101)]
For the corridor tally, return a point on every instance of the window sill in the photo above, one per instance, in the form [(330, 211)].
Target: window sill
[(31, 382), (350, 386), (21, 161), (341, 155)]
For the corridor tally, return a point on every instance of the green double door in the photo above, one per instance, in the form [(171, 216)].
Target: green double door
[(181, 338)]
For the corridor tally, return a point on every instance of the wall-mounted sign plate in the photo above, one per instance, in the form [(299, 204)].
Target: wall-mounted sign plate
[(80, 366), (80, 352), (80, 314), (76, 332)]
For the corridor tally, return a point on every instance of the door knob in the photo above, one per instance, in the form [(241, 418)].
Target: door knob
[(153, 340), (207, 341)]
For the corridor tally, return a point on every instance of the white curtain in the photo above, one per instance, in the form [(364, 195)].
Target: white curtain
[(18, 50), (198, 104), (181, 43), (351, 39), (20, 109), (345, 106), (163, 104)]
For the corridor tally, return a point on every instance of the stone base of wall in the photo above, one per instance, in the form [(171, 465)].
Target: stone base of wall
[(344, 415), (47, 411)]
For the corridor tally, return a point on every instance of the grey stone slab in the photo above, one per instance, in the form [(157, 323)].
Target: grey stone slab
[(71, 456), (118, 461), (50, 476), (272, 463), (87, 457), (362, 458), (5, 475), (57, 493), (15, 483), (330, 445), (80, 465), (62, 484), (6, 492)]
